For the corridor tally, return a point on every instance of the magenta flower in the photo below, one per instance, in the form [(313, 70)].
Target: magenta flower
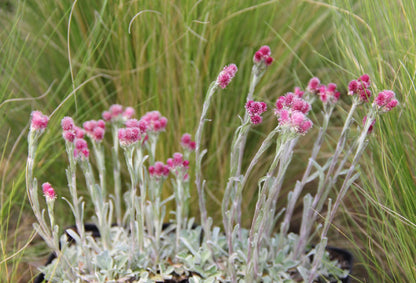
[(291, 113), (329, 94), (68, 135), (115, 110), (67, 123), (313, 85), (386, 101), (128, 112), (360, 87), (48, 191), (263, 55), (95, 129), (107, 116), (39, 122), (187, 143), (155, 122), (226, 75), (255, 109), (128, 136), (159, 170), (81, 150), (134, 123), (178, 166), (291, 102)]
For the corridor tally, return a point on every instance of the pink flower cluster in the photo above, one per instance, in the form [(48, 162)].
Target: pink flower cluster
[(226, 75), (116, 113), (329, 94), (48, 191), (360, 87), (314, 85), (70, 131), (263, 55), (39, 122), (291, 111), (178, 166), (155, 122), (386, 100), (129, 136), (95, 129), (255, 109), (81, 150), (159, 170), (187, 143)]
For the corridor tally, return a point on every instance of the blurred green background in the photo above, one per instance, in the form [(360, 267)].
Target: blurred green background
[(76, 58)]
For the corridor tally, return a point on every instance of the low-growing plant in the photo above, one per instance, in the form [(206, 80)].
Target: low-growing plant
[(138, 247)]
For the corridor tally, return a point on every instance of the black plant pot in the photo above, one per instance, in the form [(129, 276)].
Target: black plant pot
[(345, 260), (93, 229), (344, 257)]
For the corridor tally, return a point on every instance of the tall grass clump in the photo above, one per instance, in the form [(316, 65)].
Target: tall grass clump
[(82, 56), (378, 37)]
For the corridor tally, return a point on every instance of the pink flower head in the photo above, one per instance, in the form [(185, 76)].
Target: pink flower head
[(263, 55), (187, 143), (154, 122), (226, 75), (291, 102), (360, 87), (300, 123), (95, 129), (81, 149), (48, 191), (98, 134), (89, 126), (39, 122), (298, 92), (329, 94), (69, 135), (370, 129), (115, 110), (101, 124), (178, 166), (159, 170), (79, 132), (255, 109), (128, 112), (106, 116), (128, 136), (67, 124), (313, 85), (386, 100)]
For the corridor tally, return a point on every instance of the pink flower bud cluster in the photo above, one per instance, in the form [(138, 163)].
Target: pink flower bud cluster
[(386, 100), (128, 136), (226, 75), (48, 191), (95, 129), (178, 166), (117, 114), (159, 170), (314, 85), (370, 129), (187, 143), (155, 122), (255, 109), (360, 87), (70, 131), (291, 111), (39, 122), (263, 55), (81, 150), (329, 94)]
